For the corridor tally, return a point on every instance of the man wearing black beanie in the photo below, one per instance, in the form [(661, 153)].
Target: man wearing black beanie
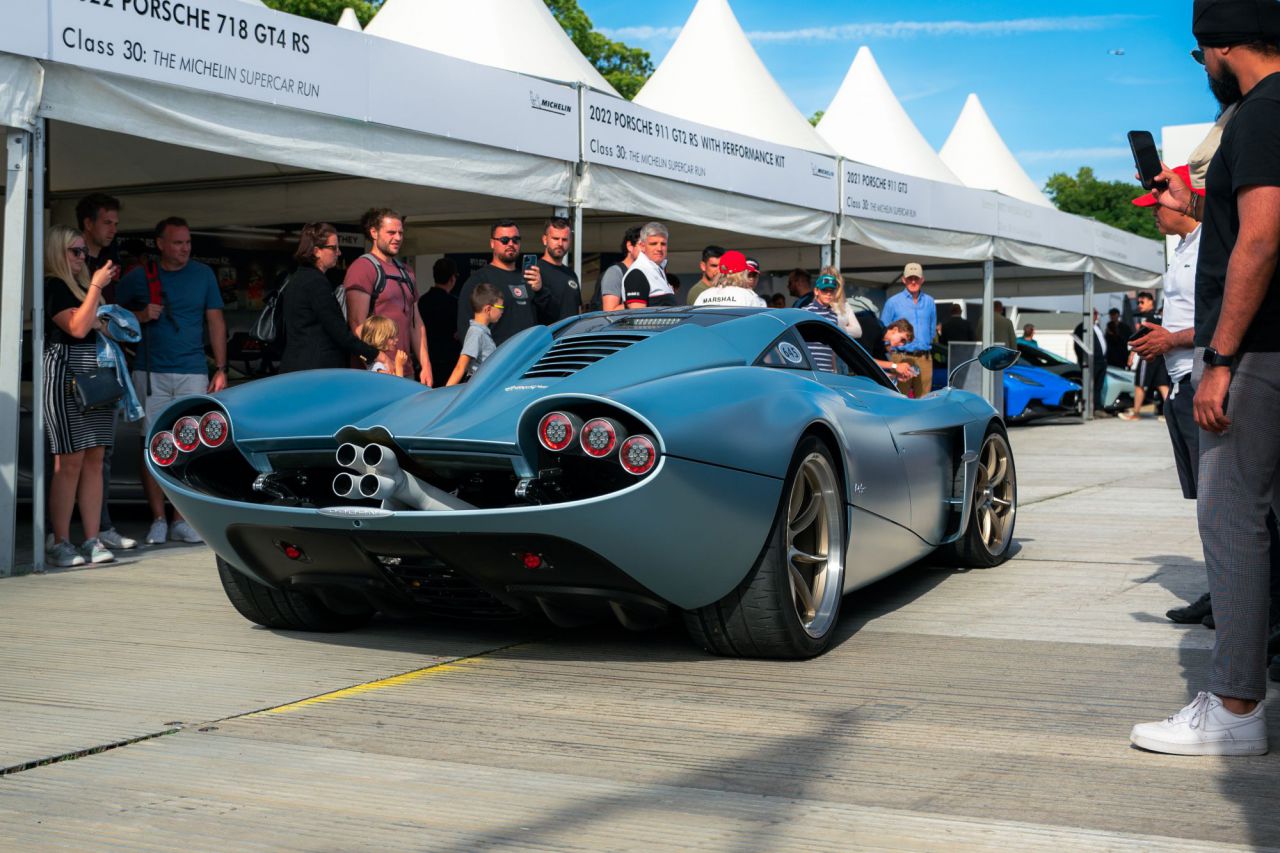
[(1237, 402)]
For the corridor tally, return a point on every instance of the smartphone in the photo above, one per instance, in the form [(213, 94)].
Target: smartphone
[(1146, 159), (1138, 333), (528, 261)]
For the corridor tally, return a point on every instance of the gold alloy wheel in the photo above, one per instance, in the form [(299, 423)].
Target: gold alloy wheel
[(815, 544), (994, 495)]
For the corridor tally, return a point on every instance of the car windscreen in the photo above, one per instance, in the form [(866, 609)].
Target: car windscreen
[(653, 320)]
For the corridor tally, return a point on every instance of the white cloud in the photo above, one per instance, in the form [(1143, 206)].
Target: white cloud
[(897, 29), (1102, 153)]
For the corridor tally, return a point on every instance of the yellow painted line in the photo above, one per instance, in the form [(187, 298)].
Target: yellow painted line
[(370, 686)]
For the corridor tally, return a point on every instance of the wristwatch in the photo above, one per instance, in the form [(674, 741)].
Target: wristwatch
[(1213, 358)]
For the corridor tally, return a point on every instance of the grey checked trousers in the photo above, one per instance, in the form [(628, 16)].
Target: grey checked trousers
[(1239, 482)]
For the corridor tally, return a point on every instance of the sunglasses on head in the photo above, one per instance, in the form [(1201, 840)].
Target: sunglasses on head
[(505, 240)]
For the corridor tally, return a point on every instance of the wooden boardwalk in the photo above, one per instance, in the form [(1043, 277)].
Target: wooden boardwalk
[(958, 711)]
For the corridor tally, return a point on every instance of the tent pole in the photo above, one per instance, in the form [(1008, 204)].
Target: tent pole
[(38, 505), (839, 218), (17, 184), (579, 169), (1087, 346), (988, 324)]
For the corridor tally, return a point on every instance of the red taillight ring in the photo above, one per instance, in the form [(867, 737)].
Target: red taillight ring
[(555, 431), (638, 455), (186, 434), (599, 437), (164, 450), (213, 429)]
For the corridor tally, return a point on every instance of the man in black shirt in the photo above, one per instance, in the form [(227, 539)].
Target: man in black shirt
[(439, 310), (1237, 402), (557, 279), (526, 301)]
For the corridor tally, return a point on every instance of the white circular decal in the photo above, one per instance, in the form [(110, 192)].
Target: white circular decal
[(791, 353)]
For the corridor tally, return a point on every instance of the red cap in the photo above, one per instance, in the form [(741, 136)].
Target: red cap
[(1149, 199), (733, 261)]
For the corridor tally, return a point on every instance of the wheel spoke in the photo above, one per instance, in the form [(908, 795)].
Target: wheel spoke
[(991, 456), (795, 555), (806, 516), (797, 492), (984, 523), (997, 529), (802, 592), (1002, 467), (1001, 502)]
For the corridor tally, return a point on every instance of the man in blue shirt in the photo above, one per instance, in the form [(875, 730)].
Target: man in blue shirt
[(917, 307), (173, 304)]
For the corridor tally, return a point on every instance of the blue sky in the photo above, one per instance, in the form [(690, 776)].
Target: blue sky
[(1045, 71)]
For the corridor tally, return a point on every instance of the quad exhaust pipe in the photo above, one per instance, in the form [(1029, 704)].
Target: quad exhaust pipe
[(373, 472)]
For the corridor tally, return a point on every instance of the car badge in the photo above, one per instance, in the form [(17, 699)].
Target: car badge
[(517, 292), (355, 512), (791, 353)]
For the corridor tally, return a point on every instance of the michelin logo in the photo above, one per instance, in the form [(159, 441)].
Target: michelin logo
[(547, 105), (822, 172)]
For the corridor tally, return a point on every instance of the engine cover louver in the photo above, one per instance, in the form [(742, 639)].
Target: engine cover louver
[(569, 355)]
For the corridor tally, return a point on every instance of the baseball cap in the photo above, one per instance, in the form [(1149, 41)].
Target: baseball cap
[(1222, 23), (732, 262), (826, 281), (1184, 172), (753, 265), (912, 270)]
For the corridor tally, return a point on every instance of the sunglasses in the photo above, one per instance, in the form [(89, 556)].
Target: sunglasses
[(79, 251), (498, 305), (505, 240), (1198, 55)]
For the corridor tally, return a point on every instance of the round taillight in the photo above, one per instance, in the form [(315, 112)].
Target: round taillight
[(213, 429), (638, 455), (555, 431), (186, 434), (599, 437), (164, 450)]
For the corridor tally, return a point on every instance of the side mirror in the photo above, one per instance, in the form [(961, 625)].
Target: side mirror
[(998, 357)]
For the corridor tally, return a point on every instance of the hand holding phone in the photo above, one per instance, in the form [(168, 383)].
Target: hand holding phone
[(1139, 332), (528, 262), (1146, 159)]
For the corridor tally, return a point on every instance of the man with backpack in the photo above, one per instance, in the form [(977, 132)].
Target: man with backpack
[(378, 283)]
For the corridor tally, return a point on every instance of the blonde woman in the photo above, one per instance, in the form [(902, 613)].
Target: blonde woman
[(829, 301), (76, 438), (733, 287)]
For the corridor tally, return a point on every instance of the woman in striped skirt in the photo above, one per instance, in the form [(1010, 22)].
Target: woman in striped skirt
[(77, 438)]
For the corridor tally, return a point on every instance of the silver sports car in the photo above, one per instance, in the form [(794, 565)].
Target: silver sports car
[(744, 469)]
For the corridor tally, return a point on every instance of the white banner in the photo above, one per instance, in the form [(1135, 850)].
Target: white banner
[(26, 33), (628, 136), (225, 47), (871, 193), (444, 96)]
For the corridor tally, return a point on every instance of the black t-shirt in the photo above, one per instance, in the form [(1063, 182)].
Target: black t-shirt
[(563, 288), (439, 312), (1248, 156), (955, 328), (523, 307), (635, 288), (110, 253), (58, 298)]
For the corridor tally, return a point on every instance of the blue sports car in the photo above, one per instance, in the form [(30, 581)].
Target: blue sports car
[(1033, 392), (636, 464)]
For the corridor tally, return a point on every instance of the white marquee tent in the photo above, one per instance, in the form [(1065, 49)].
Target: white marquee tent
[(866, 124), (713, 76), (517, 35), (348, 20), (977, 155)]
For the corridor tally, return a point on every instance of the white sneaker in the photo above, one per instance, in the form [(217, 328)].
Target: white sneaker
[(64, 555), (183, 532), (116, 540), (159, 532), (1205, 727), (95, 552)]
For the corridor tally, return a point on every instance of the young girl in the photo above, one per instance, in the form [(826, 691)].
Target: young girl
[(380, 333)]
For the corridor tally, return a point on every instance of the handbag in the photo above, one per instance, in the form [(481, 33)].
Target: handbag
[(98, 389)]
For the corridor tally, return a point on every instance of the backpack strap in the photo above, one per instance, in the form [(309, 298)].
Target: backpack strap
[(380, 278), (154, 288)]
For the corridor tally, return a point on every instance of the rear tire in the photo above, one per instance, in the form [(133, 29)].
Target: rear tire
[(789, 604), (285, 609), (987, 539)]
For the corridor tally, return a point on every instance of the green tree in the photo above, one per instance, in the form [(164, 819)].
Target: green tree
[(817, 117), (1110, 202), (626, 68), (326, 10)]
